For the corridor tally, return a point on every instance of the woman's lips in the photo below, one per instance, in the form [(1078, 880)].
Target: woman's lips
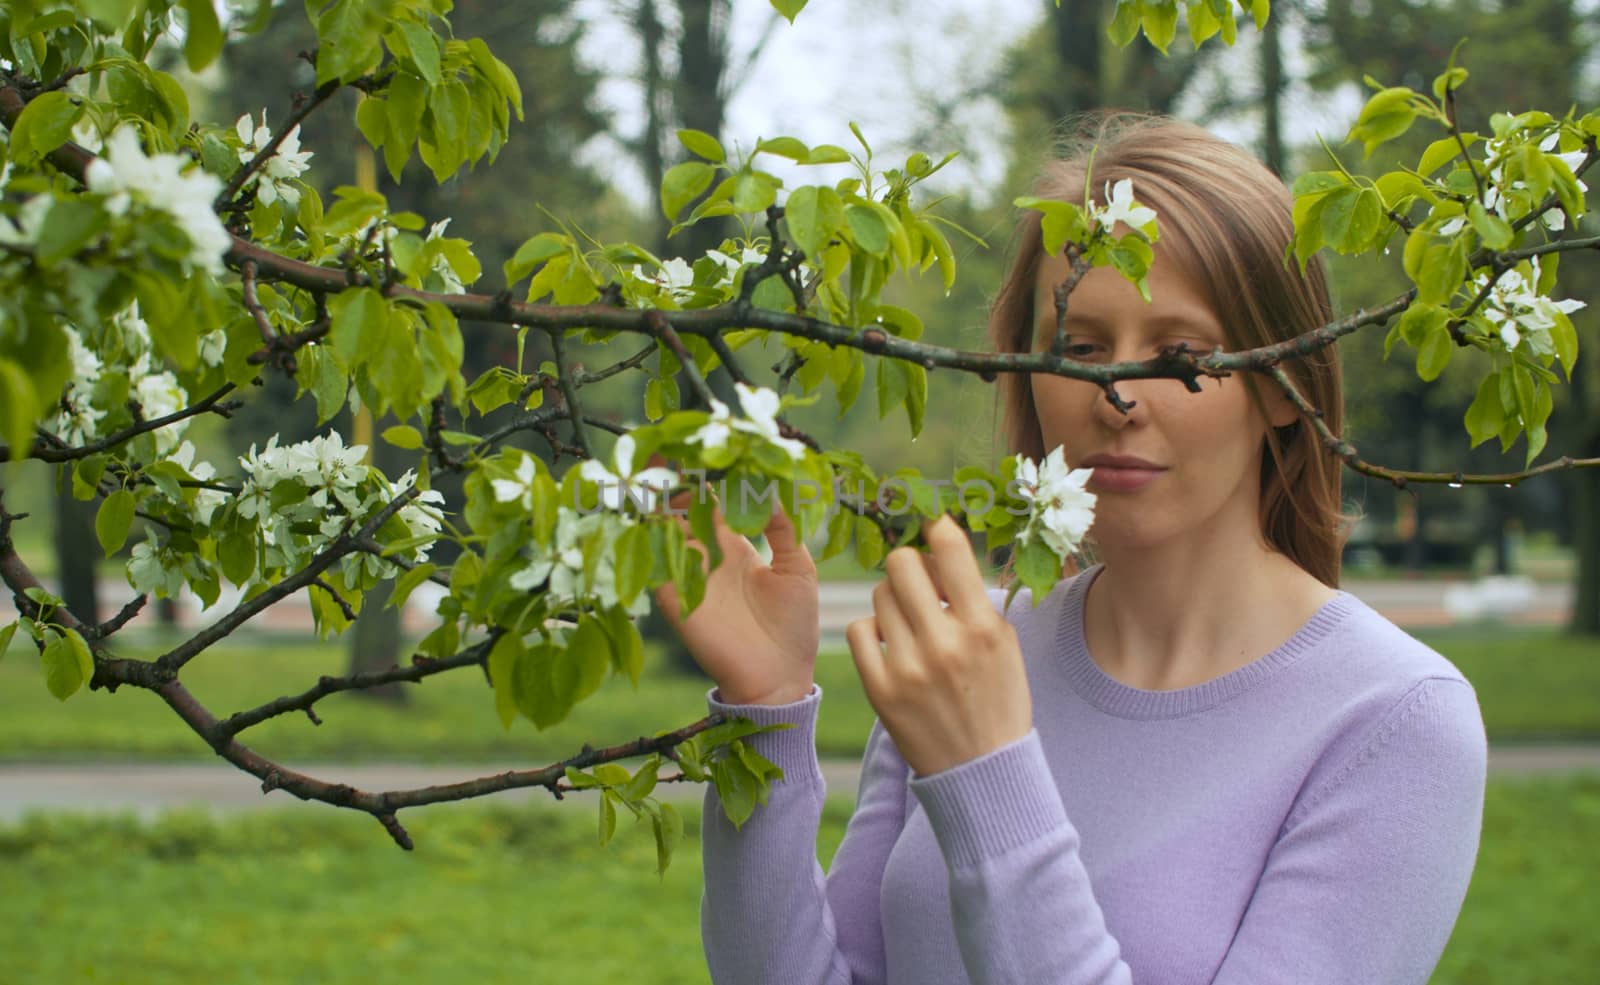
[(1110, 478)]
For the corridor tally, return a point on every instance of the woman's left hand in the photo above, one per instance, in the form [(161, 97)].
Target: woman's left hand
[(948, 684)]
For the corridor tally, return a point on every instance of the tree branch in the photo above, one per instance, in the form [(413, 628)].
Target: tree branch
[(1402, 477)]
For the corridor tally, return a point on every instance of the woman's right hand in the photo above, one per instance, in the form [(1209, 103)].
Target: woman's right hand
[(755, 633)]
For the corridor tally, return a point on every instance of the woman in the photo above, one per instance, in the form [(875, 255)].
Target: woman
[(1196, 761)]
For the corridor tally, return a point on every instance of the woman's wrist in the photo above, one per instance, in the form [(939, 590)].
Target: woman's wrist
[(783, 694)]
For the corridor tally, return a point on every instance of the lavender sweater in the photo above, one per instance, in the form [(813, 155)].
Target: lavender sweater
[(1312, 817)]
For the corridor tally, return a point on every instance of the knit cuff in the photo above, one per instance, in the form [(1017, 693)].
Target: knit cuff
[(794, 750), (986, 807)]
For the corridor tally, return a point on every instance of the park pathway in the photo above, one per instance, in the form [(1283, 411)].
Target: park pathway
[(149, 788)]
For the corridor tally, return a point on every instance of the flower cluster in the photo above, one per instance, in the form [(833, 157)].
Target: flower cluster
[(1553, 219), (675, 277), (1518, 311), (761, 407), (306, 495), (562, 563), (126, 175), (1061, 509), (275, 178), (127, 346)]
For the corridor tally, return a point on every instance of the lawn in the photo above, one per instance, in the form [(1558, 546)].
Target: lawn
[(495, 894), (1532, 685), (449, 718)]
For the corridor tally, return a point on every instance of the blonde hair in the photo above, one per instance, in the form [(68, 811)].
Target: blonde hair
[(1227, 221)]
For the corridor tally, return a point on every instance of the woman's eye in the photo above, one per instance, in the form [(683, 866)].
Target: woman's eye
[(1082, 350)]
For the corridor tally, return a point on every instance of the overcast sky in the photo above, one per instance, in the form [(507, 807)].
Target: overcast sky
[(860, 60)]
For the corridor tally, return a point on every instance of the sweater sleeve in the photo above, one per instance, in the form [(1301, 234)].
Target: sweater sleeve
[(768, 914), (1363, 885), (1368, 876)]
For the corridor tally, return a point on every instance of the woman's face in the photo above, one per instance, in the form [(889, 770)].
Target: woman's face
[(1178, 463)]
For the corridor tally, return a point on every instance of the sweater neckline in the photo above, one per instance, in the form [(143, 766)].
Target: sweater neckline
[(1116, 698)]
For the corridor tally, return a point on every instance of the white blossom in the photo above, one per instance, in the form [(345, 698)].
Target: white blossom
[(624, 482), (562, 562), (422, 514), (1061, 509), (125, 174), (155, 570), (275, 178), (675, 276), (24, 229), (1517, 310), (206, 501), (86, 134), (1120, 207), (213, 346), (441, 263), (519, 488), (731, 265), (761, 406), (159, 394)]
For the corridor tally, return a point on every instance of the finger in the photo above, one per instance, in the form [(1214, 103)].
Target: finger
[(914, 590), (789, 554), (866, 651), (955, 569), (900, 639)]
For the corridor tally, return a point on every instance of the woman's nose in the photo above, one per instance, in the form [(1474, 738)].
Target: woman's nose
[(1121, 405)]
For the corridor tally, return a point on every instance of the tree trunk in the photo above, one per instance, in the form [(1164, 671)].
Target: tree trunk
[(77, 551), (1272, 95)]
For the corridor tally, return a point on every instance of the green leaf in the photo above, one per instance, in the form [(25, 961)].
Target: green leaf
[(403, 436), (702, 144), (1493, 230), (408, 582), (540, 249), (45, 124), (1387, 115), (867, 229), (668, 831), (113, 521), (633, 562), (68, 227), (1434, 354), (736, 789), (789, 147), (68, 664), (203, 34), (608, 815), (1486, 415), (1125, 25), (814, 214), (6, 632), (423, 48), (236, 554), (504, 658), (1319, 182), (789, 8), (1160, 21), (682, 184), (358, 322), (627, 647), (1439, 153), (753, 191)]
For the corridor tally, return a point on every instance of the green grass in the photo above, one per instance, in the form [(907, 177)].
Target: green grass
[(1532, 685), (495, 894), (448, 718)]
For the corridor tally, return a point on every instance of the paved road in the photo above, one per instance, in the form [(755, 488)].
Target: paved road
[(147, 789)]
